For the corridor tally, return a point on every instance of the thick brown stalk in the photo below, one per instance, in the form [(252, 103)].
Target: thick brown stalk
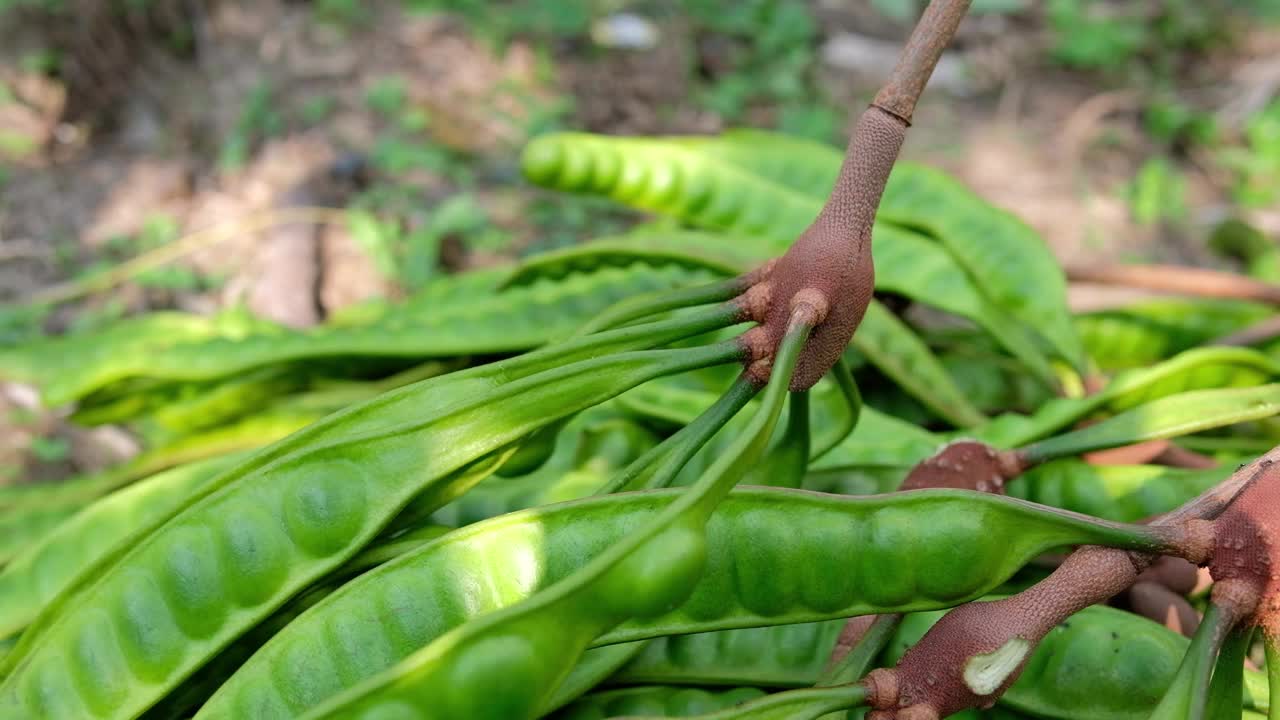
[(1155, 452), (1246, 557), (966, 465), (832, 259), (977, 650), (1179, 280), (1157, 602)]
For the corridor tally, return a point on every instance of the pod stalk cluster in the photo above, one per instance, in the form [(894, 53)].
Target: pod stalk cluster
[(830, 265), (976, 651)]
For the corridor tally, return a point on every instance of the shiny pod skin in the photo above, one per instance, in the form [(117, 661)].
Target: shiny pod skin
[(774, 556), (268, 528)]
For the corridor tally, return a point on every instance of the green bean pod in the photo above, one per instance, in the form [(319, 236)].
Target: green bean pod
[(1125, 493), (1126, 391), (650, 570), (655, 700), (281, 520), (981, 237), (796, 162), (49, 566), (804, 704), (1167, 417), (182, 408), (455, 315), (775, 556), (79, 491), (20, 529), (1144, 333), (1099, 664), (776, 656), (587, 453), (659, 176), (626, 252), (1198, 369)]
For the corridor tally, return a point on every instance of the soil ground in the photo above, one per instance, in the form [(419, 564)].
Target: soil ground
[(175, 119)]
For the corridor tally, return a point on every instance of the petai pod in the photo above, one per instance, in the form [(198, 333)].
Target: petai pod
[(19, 530), (281, 520), (655, 700), (467, 316), (660, 176), (626, 252), (539, 639), (982, 237), (247, 434), (775, 656), (46, 568), (775, 556), (1147, 332), (587, 453), (1125, 493)]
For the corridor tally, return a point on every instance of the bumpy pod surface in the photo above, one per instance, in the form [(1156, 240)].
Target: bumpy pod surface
[(774, 556), (777, 656), (36, 576), (265, 530)]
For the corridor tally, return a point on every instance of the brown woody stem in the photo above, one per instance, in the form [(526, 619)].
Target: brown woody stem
[(832, 258), (1179, 280), (931, 36), (937, 678)]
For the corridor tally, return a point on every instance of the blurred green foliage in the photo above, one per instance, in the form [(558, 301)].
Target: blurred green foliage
[(1256, 162), (258, 120)]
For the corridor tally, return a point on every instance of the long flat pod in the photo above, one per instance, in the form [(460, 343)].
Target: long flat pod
[(170, 603), (1140, 334), (466, 315), (775, 656), (1166, 417), (767, 550), (248, 434), (1125, 493), (47, 567), (400, 408), (766, 184), (664, 701), (1202, 368)]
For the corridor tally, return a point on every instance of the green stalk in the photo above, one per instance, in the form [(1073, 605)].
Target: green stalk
[(1188, 696), (703, 497), (1167, 417), (1226, 688), (785, 462), (853, 398), (543, 618), (862, 657), (1272, 645), (657, 467), (804, 704), (642, 306)]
